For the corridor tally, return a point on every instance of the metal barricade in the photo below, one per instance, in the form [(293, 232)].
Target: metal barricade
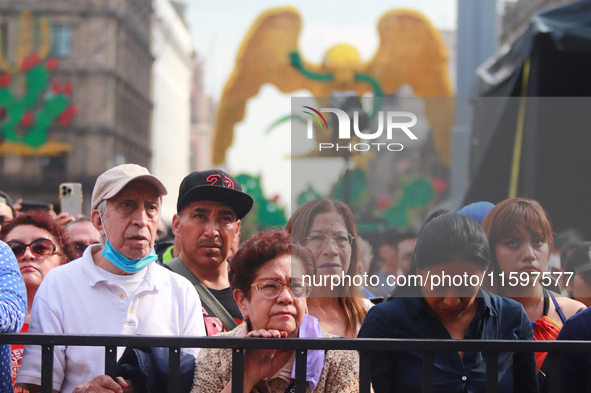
[(491, 348)]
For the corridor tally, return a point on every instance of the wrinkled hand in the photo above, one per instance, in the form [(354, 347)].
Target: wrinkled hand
[(103, 384), (262, 363)]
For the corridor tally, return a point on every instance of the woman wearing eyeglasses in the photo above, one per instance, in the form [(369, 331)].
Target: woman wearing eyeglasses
[(266, 275), (39, 244), (327, 228)]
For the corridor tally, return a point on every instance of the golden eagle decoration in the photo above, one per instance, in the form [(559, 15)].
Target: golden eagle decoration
[(411, 52)]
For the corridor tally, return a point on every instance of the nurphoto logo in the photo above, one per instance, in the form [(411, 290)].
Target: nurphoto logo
[(395, 121)]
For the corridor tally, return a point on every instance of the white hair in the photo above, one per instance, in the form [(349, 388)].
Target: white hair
[(102, 209)]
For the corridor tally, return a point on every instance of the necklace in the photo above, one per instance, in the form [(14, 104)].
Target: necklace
[(529, 314)]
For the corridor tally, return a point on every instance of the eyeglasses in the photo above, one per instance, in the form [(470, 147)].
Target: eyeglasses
[(319, 240), (40, 247), (272, 287)]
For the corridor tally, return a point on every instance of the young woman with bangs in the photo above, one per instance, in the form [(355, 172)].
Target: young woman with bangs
[(521, 239)]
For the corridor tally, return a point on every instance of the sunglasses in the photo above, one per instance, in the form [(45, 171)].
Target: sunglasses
[(40, 247)]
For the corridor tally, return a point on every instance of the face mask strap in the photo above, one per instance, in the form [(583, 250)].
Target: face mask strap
[(103, 222)]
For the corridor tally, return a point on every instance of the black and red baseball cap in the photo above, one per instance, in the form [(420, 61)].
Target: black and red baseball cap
[(214, 185)]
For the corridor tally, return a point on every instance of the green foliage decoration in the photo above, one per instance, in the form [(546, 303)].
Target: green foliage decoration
[(37, 109)]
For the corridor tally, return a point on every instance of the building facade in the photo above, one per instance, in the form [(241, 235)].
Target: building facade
[(171, 95), (202, 120), (101, 62)]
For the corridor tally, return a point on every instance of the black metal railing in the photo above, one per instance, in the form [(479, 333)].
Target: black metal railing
[(491, 348)]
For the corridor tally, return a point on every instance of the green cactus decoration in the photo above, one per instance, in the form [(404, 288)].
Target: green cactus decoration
[(309, 195), (18, 113), (357, 188), (415, 194), (265, 212)]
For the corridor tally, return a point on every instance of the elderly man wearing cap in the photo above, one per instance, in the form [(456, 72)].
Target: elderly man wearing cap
[(209, 209), (114, 288)]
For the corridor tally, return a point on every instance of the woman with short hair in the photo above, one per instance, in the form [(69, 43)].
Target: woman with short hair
[(521, 239), (266, 275)]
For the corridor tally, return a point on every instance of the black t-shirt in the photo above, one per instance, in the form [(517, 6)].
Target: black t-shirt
[(212, 323)]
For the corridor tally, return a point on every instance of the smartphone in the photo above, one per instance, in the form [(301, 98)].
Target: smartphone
[(27, 206), (71, 198)]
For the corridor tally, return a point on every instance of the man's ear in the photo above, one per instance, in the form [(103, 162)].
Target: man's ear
[(176, 222), (95, 217)]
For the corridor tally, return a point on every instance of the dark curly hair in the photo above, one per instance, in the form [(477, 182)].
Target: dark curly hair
[(260, 249), (42, 219)]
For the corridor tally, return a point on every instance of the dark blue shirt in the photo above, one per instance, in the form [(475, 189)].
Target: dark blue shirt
[(575, 373), (407, 317)]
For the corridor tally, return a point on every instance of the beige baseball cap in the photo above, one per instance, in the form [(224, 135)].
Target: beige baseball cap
[(112, 181)]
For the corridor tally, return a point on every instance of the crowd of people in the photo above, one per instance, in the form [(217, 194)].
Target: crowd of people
[(109, 274)]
